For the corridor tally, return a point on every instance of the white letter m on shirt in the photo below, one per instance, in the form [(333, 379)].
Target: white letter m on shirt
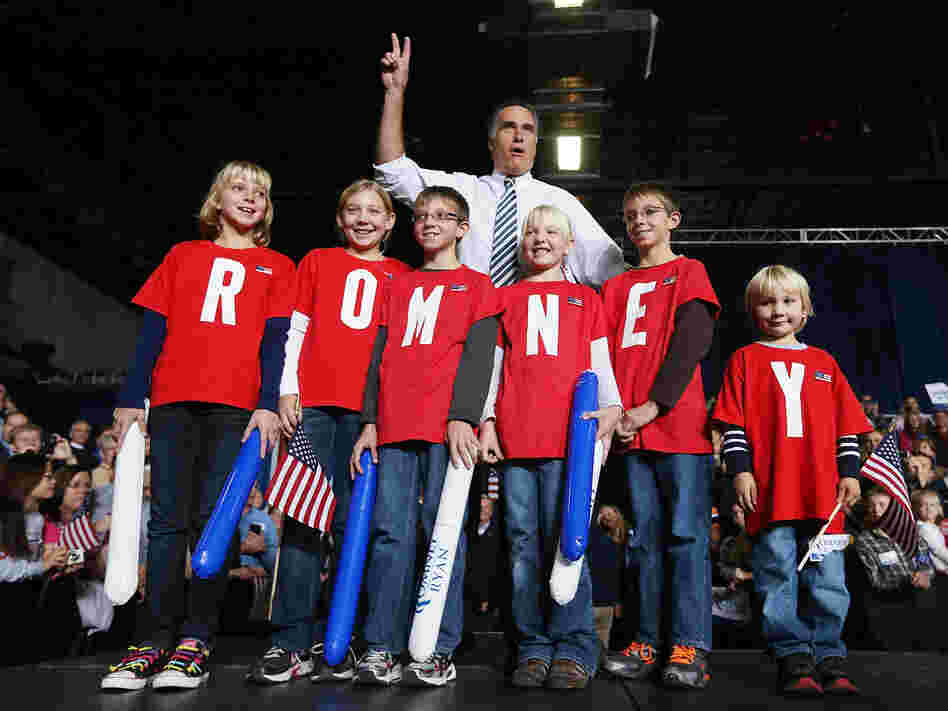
[(422, 315)]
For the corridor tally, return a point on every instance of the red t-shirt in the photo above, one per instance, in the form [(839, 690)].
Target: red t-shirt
[(216, 301), (794, 405), (547, 328), (640, 305), (342, 295), (428, 315)]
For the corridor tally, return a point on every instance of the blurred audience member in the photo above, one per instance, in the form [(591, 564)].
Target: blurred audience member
[(929, 514), (921, 476), (605, 555), (12, 421), (887, 565), (26, 438), (871, 407), (914, 428), (940, 438), (258, 536), (105, 472), (731, 602), (79, 434), (42, 618), (483, 554)]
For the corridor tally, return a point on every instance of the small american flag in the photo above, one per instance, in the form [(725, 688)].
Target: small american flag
[(79, 535), (264, 270), (574, 300), (459, 287), (300, 488), (884, 466), (825, 377)]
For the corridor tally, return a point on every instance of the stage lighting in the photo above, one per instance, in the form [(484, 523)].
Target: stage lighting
[(569, 152), (567, 3)]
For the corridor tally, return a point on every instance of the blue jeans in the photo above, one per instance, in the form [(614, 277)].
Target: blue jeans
[(406, 470), (803, 613), (533, 493), (332, 431), (671, 503), (193, 448)]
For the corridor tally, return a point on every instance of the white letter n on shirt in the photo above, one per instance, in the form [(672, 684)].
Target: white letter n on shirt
[(422, 315), (543, 324)]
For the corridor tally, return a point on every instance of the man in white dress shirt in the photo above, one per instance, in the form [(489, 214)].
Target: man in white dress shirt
[(512, 141)]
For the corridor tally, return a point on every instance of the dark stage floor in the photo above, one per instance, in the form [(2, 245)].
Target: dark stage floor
[(741, 680)]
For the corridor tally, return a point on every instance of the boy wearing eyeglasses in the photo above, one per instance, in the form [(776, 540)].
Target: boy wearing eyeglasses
[(663, 314), (425, 390)]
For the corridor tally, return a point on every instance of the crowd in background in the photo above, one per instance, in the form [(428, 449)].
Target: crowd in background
[(48, 481)]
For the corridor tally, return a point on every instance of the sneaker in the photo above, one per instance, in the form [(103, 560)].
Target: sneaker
[(687, 668), (344, 671), (636, 661), (278, 665), (530, 674), (566, 674), (187, 667), (834, 679), (136, 669), (797, 676), (378, 667), (436, 670)]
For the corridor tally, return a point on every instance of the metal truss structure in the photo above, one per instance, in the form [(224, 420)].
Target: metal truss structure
[(815, 235)]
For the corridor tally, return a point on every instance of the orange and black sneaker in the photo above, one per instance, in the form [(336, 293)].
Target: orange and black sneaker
[(687, 668), (636, 661)]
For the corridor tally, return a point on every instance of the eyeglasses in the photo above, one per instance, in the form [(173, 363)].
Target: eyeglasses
[(438, 216), (646, 212)]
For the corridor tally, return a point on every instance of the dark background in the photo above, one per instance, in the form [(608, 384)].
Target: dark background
[(117, 117)]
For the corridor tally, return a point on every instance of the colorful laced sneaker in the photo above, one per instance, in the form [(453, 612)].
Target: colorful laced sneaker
[(344, 671), (636, 661), (798, 676), (687, 668), (436, 670), (278, 665), (834, 679), (136, 669), (378, 667), (187, 668)]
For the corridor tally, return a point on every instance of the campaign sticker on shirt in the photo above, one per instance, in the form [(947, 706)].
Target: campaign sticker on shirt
[(459, 287), (824, 377), (264, 270), (889, 558), (574, 300), (668, 281)]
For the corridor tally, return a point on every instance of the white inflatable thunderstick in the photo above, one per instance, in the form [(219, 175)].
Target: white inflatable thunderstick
[(121, 572), (564, 579), (437, 576)]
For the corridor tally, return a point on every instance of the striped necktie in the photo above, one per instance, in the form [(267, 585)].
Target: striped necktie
[(503, 256)]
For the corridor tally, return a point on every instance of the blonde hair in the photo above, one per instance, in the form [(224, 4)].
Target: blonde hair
[(209, 218), (920, 494), (766, 281), (358, 187), (549, 213)]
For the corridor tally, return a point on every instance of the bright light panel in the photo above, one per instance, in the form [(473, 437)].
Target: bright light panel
[(569, 152), (567, 3)]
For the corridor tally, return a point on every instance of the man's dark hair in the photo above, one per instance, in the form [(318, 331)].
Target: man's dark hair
[(447, 193), (495, 115)]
